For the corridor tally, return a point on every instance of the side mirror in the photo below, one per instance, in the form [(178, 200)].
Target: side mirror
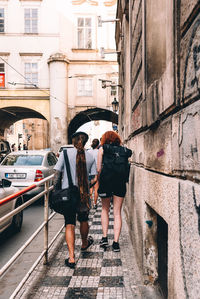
[(6, 183)]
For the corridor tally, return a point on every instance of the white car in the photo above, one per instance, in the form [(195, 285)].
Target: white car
[(15, 222), (24, 168)]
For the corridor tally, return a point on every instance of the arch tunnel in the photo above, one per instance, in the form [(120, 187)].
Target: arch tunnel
[(90, 115), (10, 115)]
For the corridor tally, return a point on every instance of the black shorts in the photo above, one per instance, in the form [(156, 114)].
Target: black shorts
[(73, 214), (111, 187)]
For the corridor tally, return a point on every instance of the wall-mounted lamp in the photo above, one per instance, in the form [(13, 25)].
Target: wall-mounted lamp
[(100, 21), (115, 105), (103, 83), (115, 85), (112, 84), (103, 52)]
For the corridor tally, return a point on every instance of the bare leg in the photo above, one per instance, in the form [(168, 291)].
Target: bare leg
[(117, 205), (70, 240), (84, 229), (91, 192), (96, 186), (105, 215)]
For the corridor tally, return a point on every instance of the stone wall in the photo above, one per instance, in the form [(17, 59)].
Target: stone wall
[(163, 135)]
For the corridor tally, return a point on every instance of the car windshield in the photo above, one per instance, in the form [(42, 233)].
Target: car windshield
[(23, 160)]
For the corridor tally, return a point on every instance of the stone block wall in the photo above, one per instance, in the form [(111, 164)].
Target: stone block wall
[(164, 137)]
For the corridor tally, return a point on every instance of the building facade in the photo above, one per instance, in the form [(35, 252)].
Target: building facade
[(159, 120), (51, 61)]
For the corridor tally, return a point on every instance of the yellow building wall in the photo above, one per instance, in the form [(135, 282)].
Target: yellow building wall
[(37, 100)]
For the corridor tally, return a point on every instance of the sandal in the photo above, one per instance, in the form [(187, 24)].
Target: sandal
[(90, 242), (70, 265)]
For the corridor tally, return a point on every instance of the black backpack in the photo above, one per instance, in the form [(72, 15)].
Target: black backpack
[(115, 164)]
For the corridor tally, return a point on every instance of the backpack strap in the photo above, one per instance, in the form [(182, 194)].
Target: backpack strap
[(68, 168)]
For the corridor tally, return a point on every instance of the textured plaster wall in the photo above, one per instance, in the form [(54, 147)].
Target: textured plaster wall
[(165, 141), (186, 10), (177, 202), (186, 142), (190, 57)]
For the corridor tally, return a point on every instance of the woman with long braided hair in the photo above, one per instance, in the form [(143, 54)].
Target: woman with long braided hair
[(81, 164)]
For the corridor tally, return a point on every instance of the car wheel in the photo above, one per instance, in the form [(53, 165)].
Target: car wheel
[(17, 219)]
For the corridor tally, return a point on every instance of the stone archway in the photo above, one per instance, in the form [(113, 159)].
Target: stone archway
[(90, 115), (10, 115)]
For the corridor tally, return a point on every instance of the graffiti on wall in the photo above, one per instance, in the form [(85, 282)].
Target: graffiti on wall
[(189, 144), (189, 237), (197, 207), (191, 83)]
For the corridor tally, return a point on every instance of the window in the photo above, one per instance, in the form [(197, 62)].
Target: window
[(23, 160), (84, 33), (85, 87), (51, 159), (31, 74), (2, 75), (31, 20), (1, 19), (114, 89)]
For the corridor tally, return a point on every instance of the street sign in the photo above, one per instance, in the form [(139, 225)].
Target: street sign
[(2, 80)]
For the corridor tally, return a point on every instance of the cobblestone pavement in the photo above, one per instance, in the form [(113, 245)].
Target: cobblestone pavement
[(98, 273)]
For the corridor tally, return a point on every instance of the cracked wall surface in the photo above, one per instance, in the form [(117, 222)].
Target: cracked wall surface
[(163, 133)]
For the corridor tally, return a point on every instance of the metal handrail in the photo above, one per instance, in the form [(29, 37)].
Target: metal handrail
[(17, 254), (43, 225), (23, 206), (16, 291), (23, 191)]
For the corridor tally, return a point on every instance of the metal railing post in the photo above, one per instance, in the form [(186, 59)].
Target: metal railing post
[(46, 216), (47, 182)]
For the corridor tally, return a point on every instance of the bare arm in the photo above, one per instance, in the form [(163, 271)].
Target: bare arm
[(99, 161)]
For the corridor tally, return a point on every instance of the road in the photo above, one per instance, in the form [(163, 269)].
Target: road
[(10, 243)]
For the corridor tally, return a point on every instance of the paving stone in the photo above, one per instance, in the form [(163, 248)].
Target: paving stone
[(99, 273), (56, 281), (87, 271), (83, 293), (106, 281), (111, 262)]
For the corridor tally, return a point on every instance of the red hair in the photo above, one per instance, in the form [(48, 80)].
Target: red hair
[(110, 137)]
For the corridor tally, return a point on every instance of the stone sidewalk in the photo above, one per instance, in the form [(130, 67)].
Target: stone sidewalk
[(98, 273)]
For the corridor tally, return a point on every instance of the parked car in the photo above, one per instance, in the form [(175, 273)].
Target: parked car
[(4, 149), (24, 168), (64, 147), (15, 222)]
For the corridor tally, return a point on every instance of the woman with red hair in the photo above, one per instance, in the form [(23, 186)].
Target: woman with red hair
[(112, 167)]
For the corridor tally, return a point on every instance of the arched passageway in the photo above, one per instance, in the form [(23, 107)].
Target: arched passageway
[(10, 115), (90, 115)]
